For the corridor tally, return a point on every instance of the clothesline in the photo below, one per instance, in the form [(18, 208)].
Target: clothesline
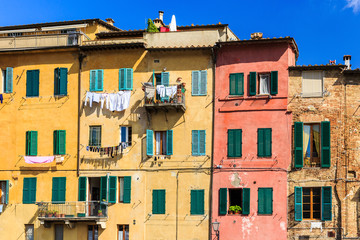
[(114, 101), (109, 151)]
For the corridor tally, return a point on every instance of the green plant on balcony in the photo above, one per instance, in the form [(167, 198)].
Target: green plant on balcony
[(238, 209), (100, 213)]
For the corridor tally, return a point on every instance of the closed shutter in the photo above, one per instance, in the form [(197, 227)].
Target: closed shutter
[(59, 189), (82, 188), (325, 144), (231, 143), (195, 83), (7, 192), (237, 84), (246, 201), (298, 144), (274, 83), (165, 78), (32, 190), (31, 143), (55, 189), (195, 143), (238, 143), (127, 189), (29, 82), (223, 201), (298, 203), (35, 85), (169, 142), (129, 79), (203, 82), (62, 189), (197, 202), (63, 81), (252, 84), (29, 190), (162, 201), (103, 188), (264, 142), (268, 142), (100, 80), (155, 200), (158, 202), (61, 142), (149, 142), (326, 204), (260, 142), (93, 80), (112, 189), (233, 84), (265, 200), (202, 142), (9, 80)]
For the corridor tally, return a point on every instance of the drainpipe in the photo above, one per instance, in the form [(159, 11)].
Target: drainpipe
[(177, 205), (81, 58)]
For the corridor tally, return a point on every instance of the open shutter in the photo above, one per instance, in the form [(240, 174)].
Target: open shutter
[(202, 142), (93, 80), (9, 80), (63, 81), (260, 142), (246, 201), (7, 192), (195, 83), (100, 80), (325, 144), (122, 73), (112, 189), (103, 188), (82, 188), (223, 201), (298, 145), (129, 79), (195, 143), (169, 142), (252, 84), (326, 204), (127, 189), (165, 78), (298, 203), (231, 143), (33, 143), (203, 82), (61, 137), (274, 83), (149, 142)]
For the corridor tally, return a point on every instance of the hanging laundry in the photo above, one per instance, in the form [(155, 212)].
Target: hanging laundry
[(36, 159), (102, 99), (150, 92), (96, 97), (89, 95), (170, 91), (160, 89)]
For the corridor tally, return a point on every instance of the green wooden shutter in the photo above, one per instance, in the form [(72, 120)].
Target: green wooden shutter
[(203, 82), (93, 80), (149, 142), (29, 80), (61, 139), (195, 82), (82, 188), (246, 201), (155, 200), (122, 73), (274, 83), (100, 80), (252, 84), (33, 190), (169, 142), (238, 143), (231, 143), (62, 189), (63, 78), (232, 84), (56, 81), (162, 201), (195, 143), (129, 79), (29, 190), (265, 200), (165, 78), (202, 142), (260, 142), (127, 189), (223, 201), (268, 142), (55, 189), (237, 84), (326, 204), (158, 201), (32, 83), (7, 192), (35, 84), (298, 203), (31, 143), (103, 188), (197, 202), (59, 189), (298, 144), (112, 189), (325, 144), (9, 80)]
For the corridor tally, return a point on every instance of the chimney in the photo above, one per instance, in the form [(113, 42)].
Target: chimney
[(347, 59), (332, 62), (110, 21), (161, 15), (256, 36)]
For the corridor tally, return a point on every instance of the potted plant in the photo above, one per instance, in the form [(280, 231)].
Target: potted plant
[(231, 210), (237, 209), (42, 213), (100, 213), (49, 213), (55, 213)]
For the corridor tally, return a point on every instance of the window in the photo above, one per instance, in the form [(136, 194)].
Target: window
[(234, 143), (312, 84), (93, 233), (123, 232), (60, 81), (163, 142), (263, 83), (264, 142), (313, 203), (4, 192), (29, 231), (237, 197), (197, 202), (125, 79), (59, 232), (198, 142), (32, 83), (95, 136), (96, 80), (59, 142), (31, 143), (236, 84), (199, 83), (158, 202), (125, 135), (29, 190), (125, 189), (59, 189), (265, 201), (7, 80), (162, 78), (312, 144)]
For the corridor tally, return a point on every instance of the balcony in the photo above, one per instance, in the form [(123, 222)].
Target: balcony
[(91, 211), (40, 41), (153, 101)]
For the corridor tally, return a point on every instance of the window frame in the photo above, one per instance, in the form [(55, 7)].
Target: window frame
[(121, 189), (94, 232), (128, 134), (309, 95), (311, 203), (318, 165), (258, 81), (4, 193), (27, 227), (162, 143), (123, 231), (90, 136)]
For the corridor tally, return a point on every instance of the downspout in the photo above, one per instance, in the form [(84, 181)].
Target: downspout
[(177, 206), (81, 58)]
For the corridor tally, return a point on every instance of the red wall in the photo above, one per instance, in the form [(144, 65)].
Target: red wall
[(250, 113)]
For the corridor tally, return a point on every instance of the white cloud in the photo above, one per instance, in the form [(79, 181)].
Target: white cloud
[(354, 4)]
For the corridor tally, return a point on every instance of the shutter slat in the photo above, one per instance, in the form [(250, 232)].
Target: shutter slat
[(203, 82), (274, 83), (195, 142), (149, 142), (26, 191), (55, 189), (298, 203), (82, 188), (298, 144), (112, 189), (223, 201), (195, 83), (268, 138), (169, 142), (35, 85), (155, 202), (193, 202), (127, 189), (325, 144), (252, 84), (326, 206), (240, 81), (246, 201)]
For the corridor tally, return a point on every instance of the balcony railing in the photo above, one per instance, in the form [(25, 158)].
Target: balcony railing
[(40, 41), (75, 211), (153, 100)]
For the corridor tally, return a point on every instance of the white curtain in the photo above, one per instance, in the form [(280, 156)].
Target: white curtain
[(157, 144), (264, 84)]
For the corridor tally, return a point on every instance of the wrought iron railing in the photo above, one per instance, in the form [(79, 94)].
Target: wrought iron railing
[(89, 209), (152, 96)]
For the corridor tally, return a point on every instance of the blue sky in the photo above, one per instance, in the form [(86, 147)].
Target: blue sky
[(323, 29)]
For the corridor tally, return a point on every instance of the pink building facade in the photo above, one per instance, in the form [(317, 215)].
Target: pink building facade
[(252, 138)]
